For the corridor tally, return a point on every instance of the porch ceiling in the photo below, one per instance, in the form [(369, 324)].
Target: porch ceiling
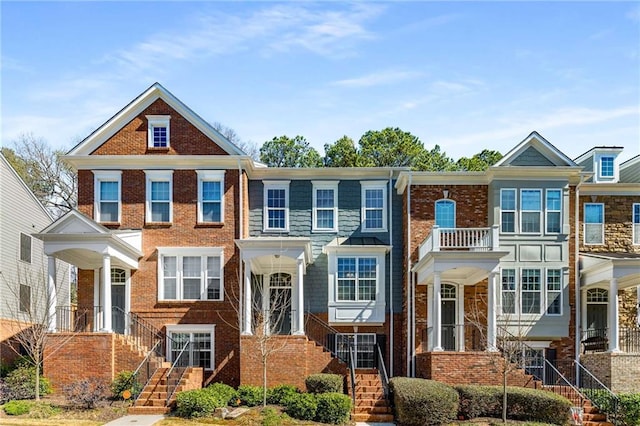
[(275, 253), (466, 268), (600, 269)]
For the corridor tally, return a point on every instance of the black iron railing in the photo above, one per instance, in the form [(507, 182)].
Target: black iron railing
[(78, 319), (382, 371), (595, 340), (178, 368), (352, 373), (320, 332), (144, 372), (630, 340)]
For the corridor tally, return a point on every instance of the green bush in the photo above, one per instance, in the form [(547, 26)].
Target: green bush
[(22, 382), (270, 417), (423, 402), (333, 408), (522, 404), (251, 396), (279, 394), (125, 380), (196, 403), (301, 406), (17, 408), (224, 394), (323, 383), (630, 408)]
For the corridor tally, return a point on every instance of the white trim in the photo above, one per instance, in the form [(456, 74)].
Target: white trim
[(158, 121), (210, 176), (275, 185), (158, 176), (373, 185), (584, 225), (193, 328), (435, 210), (179, 253), (324, 184), (635, 230), (514, 211), (546, 291), (522, 211), (30, 261), (106, 176), (547, 210)]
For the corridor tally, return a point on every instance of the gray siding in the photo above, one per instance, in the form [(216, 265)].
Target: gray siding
[(531, 157), (630, 173)]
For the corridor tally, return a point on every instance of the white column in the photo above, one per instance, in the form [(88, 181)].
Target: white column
[(52, 297), (491, 313), (460, 329), (246, 325), (300, 307), (437, 314), (106, 293), (613, 316), (430, 333)]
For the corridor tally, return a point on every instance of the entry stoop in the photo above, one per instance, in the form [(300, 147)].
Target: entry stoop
[(153, 398), (370, 402)]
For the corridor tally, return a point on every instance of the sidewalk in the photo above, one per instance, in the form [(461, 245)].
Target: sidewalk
[(137, 420)]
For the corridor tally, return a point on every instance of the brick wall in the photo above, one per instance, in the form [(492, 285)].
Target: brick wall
[(619, 371)]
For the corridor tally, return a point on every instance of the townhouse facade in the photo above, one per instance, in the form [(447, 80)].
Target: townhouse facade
[(181, 236)]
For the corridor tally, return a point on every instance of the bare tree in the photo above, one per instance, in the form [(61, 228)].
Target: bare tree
[(249, 148), (52, 181)]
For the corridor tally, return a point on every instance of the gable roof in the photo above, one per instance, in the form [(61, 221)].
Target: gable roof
[(538, 149), (139, 104)]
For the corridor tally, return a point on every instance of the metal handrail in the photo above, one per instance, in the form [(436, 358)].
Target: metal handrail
[(146, 362), (382, 371), (318, 331), (177, 366), (352, 372)]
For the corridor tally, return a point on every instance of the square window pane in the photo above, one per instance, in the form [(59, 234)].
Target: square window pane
[(593, 213), (191, 266), (508, 222), (374, 198), (160, 191), (276, 198), (211, 212), (276, 219), (593, 233), (530, 222), (508, 199), (530, 303), (373, 219), (108, 212), (324, 198), (211, 191), (160, 212), (191, 288), (109, 191), (324, 219), (530, 199)]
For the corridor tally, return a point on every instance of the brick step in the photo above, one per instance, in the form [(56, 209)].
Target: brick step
[(160, 402), (373, 418), (148, 410), (372, 410), (363, 389), (594, 417), (152, 395), (590, 423), (372, 402), (370, 395)]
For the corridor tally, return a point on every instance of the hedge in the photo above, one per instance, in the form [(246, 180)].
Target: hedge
[(223, 394), (278, 395), (627, 411), (333, 408), (196, 403), (423, 402), (251, 396), (522, 404), (323, 383), (301, 406)]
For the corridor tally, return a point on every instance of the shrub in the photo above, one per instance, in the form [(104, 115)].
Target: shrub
[(333, 408), (323, 383), (85, 392), (251, 396), (17, 408), (22, 382), (125, 380), (5, 392), (630, 408), (196, 403), (522, 404), (423, 402), (279, 394), (223, 394), (301, 406), (270, 417)]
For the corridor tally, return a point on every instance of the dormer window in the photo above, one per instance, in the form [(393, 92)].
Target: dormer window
[(606, 167), (158, 131)]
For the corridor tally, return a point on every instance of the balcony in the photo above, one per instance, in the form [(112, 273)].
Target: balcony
[(460, 239)]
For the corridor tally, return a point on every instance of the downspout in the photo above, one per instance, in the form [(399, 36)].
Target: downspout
[(391, 235), (241, 282), (409, 276), (576, 238)]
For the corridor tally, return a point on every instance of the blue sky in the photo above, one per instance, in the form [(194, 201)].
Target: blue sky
[(463, 75)]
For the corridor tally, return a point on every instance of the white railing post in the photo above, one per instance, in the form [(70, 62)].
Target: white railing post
[(435, 233), (495, 238)]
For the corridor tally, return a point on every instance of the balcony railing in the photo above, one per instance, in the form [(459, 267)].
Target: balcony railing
[(452, 336), (460, 239), (597, 340)]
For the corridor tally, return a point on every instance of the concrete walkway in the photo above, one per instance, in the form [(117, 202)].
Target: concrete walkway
[(136, 420)]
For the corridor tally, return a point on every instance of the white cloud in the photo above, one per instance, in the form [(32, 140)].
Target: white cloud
[(377, 79)]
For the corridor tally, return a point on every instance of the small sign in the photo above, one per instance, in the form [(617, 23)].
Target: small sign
[(126, 394)]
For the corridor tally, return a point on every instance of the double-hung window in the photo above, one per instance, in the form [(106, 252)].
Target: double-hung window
[(508, 291), (606, 167), (194, 342), (554, 292), (508, 210), (357, 278), (158, 131), (190, 273), (554, 211), (325, 206), (593, 223), (374, 206), (210, 196), (159, 196), (25, 247), (636, 223), (276, 206), (530, 295), (530, 210), (107, 206), (445, 213)]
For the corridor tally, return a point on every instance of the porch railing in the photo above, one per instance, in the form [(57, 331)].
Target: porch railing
[(466, 239), (320, 332), (78, 319), (597, 340), (630, 339), (452, 335)]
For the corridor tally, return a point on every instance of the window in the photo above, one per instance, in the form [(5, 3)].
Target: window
[(554, 211), (276, 206), (636, 223), (530, 294), (357, 278), (159, 196), (325, 206), (374, 212), (158, 131), (508, 291), (25, 247), (508, 210), (210, 194), (107, 196), (364, 346), (554, 292), (25, 298), (533, 362), (200, 339), (593, 223), (606, 167), (531, 208), (190, 273), (445, 213)]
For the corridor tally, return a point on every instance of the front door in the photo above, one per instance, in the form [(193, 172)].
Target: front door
[(597, 301), (448, 312), (279, 309), (118, 295)]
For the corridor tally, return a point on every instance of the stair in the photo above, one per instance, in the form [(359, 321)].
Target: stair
[(153, 398), (592, 415), (370, 403)]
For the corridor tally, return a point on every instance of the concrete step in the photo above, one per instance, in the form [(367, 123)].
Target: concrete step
[(148, 410), (372, 418)]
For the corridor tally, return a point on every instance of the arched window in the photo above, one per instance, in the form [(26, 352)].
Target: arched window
[(118, 276), (280, 279), (597, 295), (446, 213), (448, 291)]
